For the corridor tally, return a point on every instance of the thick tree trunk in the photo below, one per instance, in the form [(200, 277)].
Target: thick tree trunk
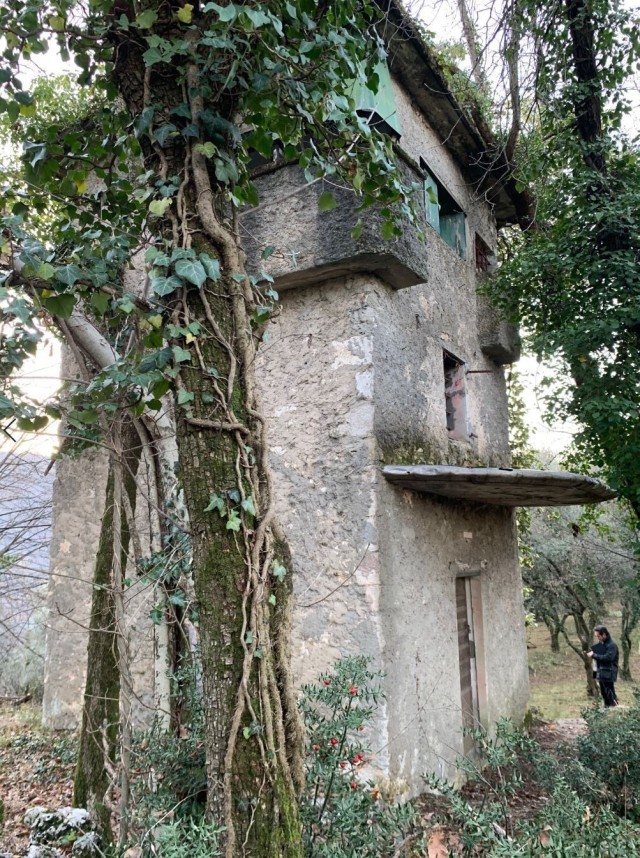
[(588, 99), (253, 759), (100, 714), (253, 739)]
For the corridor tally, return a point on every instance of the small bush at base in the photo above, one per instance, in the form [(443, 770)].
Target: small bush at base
[(569, 824), (611, 752), (187, 838), (344, 816)]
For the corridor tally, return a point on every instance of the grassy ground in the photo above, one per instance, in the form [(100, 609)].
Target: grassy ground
[(557, 680)]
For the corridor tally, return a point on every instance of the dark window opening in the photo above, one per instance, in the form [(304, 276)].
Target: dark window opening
[(444, 214), (485, 259), (455, 397)]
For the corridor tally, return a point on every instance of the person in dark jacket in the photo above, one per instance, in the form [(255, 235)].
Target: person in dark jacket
[(605, 656)]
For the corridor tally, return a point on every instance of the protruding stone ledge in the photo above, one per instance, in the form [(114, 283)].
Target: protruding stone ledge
[(499, 339), (500, 486), (311, 246)]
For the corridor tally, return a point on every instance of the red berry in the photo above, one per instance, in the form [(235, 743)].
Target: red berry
[(316, 747), (361, 727), (353, 784), (353, 691), (361, 756), (355, 761), (327, 682), (334, 742), (343, 764)]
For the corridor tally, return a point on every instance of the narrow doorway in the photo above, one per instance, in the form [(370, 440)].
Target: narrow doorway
[(469, 618)]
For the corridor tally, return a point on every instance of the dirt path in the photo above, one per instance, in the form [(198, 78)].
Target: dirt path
[(552, 733), (35, 769)]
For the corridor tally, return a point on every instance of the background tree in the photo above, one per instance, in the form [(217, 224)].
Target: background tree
[(572, 279), (582, 569)]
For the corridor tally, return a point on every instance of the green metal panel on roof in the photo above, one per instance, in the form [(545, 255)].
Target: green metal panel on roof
[(381, 102)]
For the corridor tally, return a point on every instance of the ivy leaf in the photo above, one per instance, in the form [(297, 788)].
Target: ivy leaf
[(161, 135), (146, 19), (156, 614), (181, 355), (234, 521), (207, 149), (216, 502), (256, 16), (32, 424), (60, 305), (185, 13), (191, 270), (249, 506), (165, 285), (327, 201), (279, 571), (211, 266), (178, 598), (45, 271), (159, 207), (100, 302), (68, 274), (185, 397), (388, 230), (225, 13), (226, 171)]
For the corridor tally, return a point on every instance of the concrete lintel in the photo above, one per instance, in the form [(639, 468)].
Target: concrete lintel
[(500, 486)]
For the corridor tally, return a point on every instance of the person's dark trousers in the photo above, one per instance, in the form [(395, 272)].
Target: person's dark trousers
[(608, 693)]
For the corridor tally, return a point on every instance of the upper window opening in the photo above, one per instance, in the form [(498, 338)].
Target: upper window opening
[(455, 397), (485, 259), (444, 214), (378, 108)]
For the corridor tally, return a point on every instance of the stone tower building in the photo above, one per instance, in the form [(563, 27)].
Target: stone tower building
[(382, 376)]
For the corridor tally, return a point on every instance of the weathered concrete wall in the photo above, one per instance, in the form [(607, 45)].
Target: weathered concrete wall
[(352, 376), (79, 491), (424, 545), (79, 499), (316, 371)]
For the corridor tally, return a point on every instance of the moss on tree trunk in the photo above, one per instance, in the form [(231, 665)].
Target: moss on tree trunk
[(100, 713), (244, 610)]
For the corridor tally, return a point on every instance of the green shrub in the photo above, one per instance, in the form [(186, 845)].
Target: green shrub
[(343, 815), (611, 753), (568, 824), (186, 838), (169, 779)]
